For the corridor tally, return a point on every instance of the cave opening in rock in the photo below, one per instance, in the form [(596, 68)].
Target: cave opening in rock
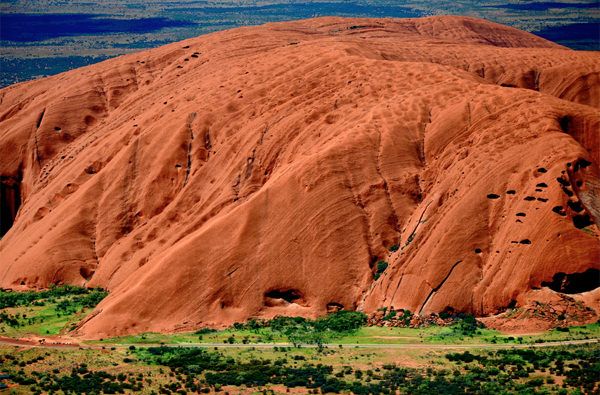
[(333, 307), (574, 283), (10, 201), (289, 295)]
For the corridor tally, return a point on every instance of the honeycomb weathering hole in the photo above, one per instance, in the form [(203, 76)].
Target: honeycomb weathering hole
[(565, 123), (574, 283), (86, 273), (581, 221), (581, 164)]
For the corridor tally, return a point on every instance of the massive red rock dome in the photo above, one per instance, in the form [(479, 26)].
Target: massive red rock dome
[(265, 170)]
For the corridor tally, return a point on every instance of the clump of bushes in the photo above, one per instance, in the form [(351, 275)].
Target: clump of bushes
[(205, 331), (380, 268), (86, 297), (466, 325), (65, 299), (300, 330)]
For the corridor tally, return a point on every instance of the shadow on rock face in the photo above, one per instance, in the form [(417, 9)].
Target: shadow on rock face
[(574, 283), (10, 201)]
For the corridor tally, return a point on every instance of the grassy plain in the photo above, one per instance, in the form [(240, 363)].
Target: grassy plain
[(334, 354)]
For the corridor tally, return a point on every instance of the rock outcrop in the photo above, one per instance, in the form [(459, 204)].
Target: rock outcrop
[(266, 170)]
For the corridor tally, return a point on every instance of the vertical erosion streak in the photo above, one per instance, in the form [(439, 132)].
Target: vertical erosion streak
[(434, 290), (402, 248), (386, 190), (412, 235), (190, 132), (38, 123), (356, 199)]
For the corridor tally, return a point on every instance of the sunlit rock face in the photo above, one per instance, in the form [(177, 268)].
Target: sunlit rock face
[(266, 170)]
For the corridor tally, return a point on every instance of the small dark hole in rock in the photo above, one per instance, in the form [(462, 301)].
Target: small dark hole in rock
[(544, 200), (511, 192), (521, 215), (575, 206), (493, 196), (373, 261), (582, 220), (581, 163), (567, 191), (559, 210), (584, 163), (525, 241), (563, 182), (478, 250), (542, 185), (529, 198), (542, 170), (565, 123), (86, 273)]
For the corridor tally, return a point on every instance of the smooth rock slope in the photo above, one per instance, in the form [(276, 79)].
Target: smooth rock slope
[(265, 170)]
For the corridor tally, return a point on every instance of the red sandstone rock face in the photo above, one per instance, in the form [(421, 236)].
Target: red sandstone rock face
[(263, 171)]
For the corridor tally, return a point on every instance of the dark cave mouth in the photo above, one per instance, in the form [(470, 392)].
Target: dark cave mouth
[(574, 283), (288, 295)]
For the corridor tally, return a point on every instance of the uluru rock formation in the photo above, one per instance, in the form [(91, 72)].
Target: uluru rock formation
[(265, 170)]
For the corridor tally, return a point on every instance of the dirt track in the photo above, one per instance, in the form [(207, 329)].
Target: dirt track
[(56, 345)]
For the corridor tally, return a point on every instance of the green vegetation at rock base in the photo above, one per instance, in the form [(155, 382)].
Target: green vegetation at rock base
[(47, 312)]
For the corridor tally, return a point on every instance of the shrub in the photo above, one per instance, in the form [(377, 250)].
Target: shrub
[(342, 321), (380, 268)]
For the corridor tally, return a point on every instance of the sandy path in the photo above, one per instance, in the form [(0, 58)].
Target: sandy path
[(58, 345)]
